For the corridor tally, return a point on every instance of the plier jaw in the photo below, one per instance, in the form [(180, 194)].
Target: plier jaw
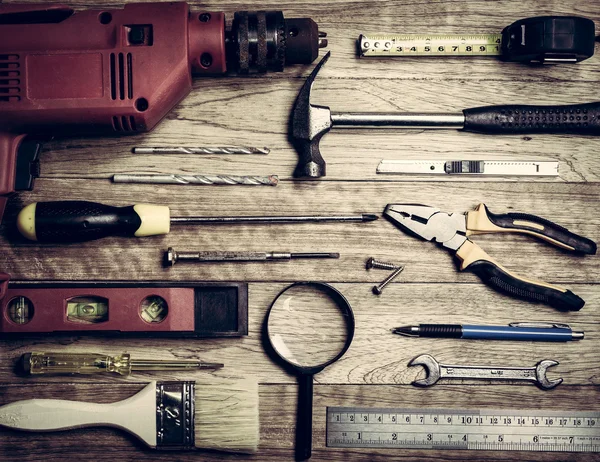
[(429, 223)]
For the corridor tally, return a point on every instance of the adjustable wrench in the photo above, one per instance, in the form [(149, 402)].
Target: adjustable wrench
[(436, 371)]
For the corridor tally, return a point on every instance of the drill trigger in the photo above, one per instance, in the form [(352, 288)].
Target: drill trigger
[(28, 165)]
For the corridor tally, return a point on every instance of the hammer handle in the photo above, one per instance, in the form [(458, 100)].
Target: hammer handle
[(581, 119)]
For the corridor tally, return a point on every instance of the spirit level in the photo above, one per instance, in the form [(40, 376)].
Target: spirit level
[(171, 309)]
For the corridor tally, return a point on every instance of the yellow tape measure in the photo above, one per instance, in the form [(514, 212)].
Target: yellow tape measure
[(543, 39), (431, 45)]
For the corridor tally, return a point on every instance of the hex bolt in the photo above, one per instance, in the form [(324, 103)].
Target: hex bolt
[(378, 289), (372, 263)]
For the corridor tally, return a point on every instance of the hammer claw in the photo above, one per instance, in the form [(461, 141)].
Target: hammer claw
[(308, 125)]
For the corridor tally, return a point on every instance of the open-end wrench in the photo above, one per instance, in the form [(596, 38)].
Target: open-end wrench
[(436, 371)]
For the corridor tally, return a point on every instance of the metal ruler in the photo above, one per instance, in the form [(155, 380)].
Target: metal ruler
[(499, 430), (431, 45), (472, 167)]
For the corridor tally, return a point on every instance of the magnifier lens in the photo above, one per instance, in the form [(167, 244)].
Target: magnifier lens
[(307, 327)]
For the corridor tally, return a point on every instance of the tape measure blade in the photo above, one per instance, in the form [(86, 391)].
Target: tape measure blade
[(430, 45), (508, 430)]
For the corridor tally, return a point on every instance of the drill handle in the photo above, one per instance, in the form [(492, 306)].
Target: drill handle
[(9, 148), (19, 165)]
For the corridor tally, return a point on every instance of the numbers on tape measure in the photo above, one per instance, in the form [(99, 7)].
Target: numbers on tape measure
[(431, 45)]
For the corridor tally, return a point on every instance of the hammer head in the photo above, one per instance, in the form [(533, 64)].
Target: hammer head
[(308, 125)]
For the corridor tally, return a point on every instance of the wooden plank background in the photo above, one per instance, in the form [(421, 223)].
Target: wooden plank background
[(255, 111)]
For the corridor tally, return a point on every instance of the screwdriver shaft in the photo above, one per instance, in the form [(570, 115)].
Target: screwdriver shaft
[(201, 150), (270, 180), (171, 365), (266, 219)]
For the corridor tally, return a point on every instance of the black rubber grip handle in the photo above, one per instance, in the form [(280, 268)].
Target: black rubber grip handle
[(552, 230), (582, 119), (500, 280), (304, 422), (78, 221), (440, 330)]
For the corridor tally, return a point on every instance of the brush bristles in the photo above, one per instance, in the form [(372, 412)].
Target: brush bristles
[(227, 416)]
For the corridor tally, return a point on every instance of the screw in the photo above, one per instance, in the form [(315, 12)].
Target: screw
[(378, 289), (372, 263)]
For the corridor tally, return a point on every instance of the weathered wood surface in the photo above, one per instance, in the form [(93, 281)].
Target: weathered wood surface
[(255, 111)]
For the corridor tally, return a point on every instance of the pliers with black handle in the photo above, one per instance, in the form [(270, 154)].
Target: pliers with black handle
[(452, 230)]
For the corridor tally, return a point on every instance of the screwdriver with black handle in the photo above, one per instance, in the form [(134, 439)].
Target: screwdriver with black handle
[(78, 221)]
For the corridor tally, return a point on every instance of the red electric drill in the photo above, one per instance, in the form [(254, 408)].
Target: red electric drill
[(120, 71)]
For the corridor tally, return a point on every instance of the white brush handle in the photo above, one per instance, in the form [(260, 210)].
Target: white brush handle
[(136, 415)]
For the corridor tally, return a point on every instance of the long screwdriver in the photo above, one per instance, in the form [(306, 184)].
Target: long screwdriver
[(78, 221)]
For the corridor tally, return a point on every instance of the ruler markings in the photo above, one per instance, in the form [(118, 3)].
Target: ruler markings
[(431, 45), (464, 429)]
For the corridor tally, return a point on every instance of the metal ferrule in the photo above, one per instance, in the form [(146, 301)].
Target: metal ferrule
[(175, 414), (399, 120)]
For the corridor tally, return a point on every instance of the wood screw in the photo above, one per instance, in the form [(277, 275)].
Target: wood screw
[(378, 289), (372, 263)]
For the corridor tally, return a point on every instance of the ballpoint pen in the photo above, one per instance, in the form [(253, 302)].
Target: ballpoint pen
[(532, 331)]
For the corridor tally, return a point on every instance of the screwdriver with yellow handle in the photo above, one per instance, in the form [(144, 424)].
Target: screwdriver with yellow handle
[(37, 363), (78, 221)]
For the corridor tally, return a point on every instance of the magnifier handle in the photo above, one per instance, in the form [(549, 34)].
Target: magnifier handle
[(304, 422)]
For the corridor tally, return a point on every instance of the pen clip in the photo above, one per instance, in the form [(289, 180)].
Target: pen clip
[(553, 325)]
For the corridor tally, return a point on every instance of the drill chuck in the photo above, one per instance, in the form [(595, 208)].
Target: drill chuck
[(261, 41)]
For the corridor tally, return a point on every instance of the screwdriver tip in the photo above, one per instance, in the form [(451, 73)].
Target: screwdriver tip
[(316, 255), (210, 365), (369, 217)]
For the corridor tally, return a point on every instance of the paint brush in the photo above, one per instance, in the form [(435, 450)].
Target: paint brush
[(164, 415)]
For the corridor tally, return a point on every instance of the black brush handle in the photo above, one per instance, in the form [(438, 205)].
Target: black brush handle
[(581, 119)]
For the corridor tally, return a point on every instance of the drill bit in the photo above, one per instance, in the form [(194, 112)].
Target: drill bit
[(201, 150), (172, 256), (270, 180)]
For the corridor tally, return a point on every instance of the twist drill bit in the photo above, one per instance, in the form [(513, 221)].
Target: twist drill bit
[(270, 180), (201, 150)]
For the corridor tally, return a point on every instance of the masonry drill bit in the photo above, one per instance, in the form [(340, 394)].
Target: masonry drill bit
[(270, 180), (201, 150), (172, 256), (36, 363)]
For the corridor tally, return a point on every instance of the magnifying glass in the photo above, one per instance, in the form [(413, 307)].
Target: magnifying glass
[(309, 326)]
